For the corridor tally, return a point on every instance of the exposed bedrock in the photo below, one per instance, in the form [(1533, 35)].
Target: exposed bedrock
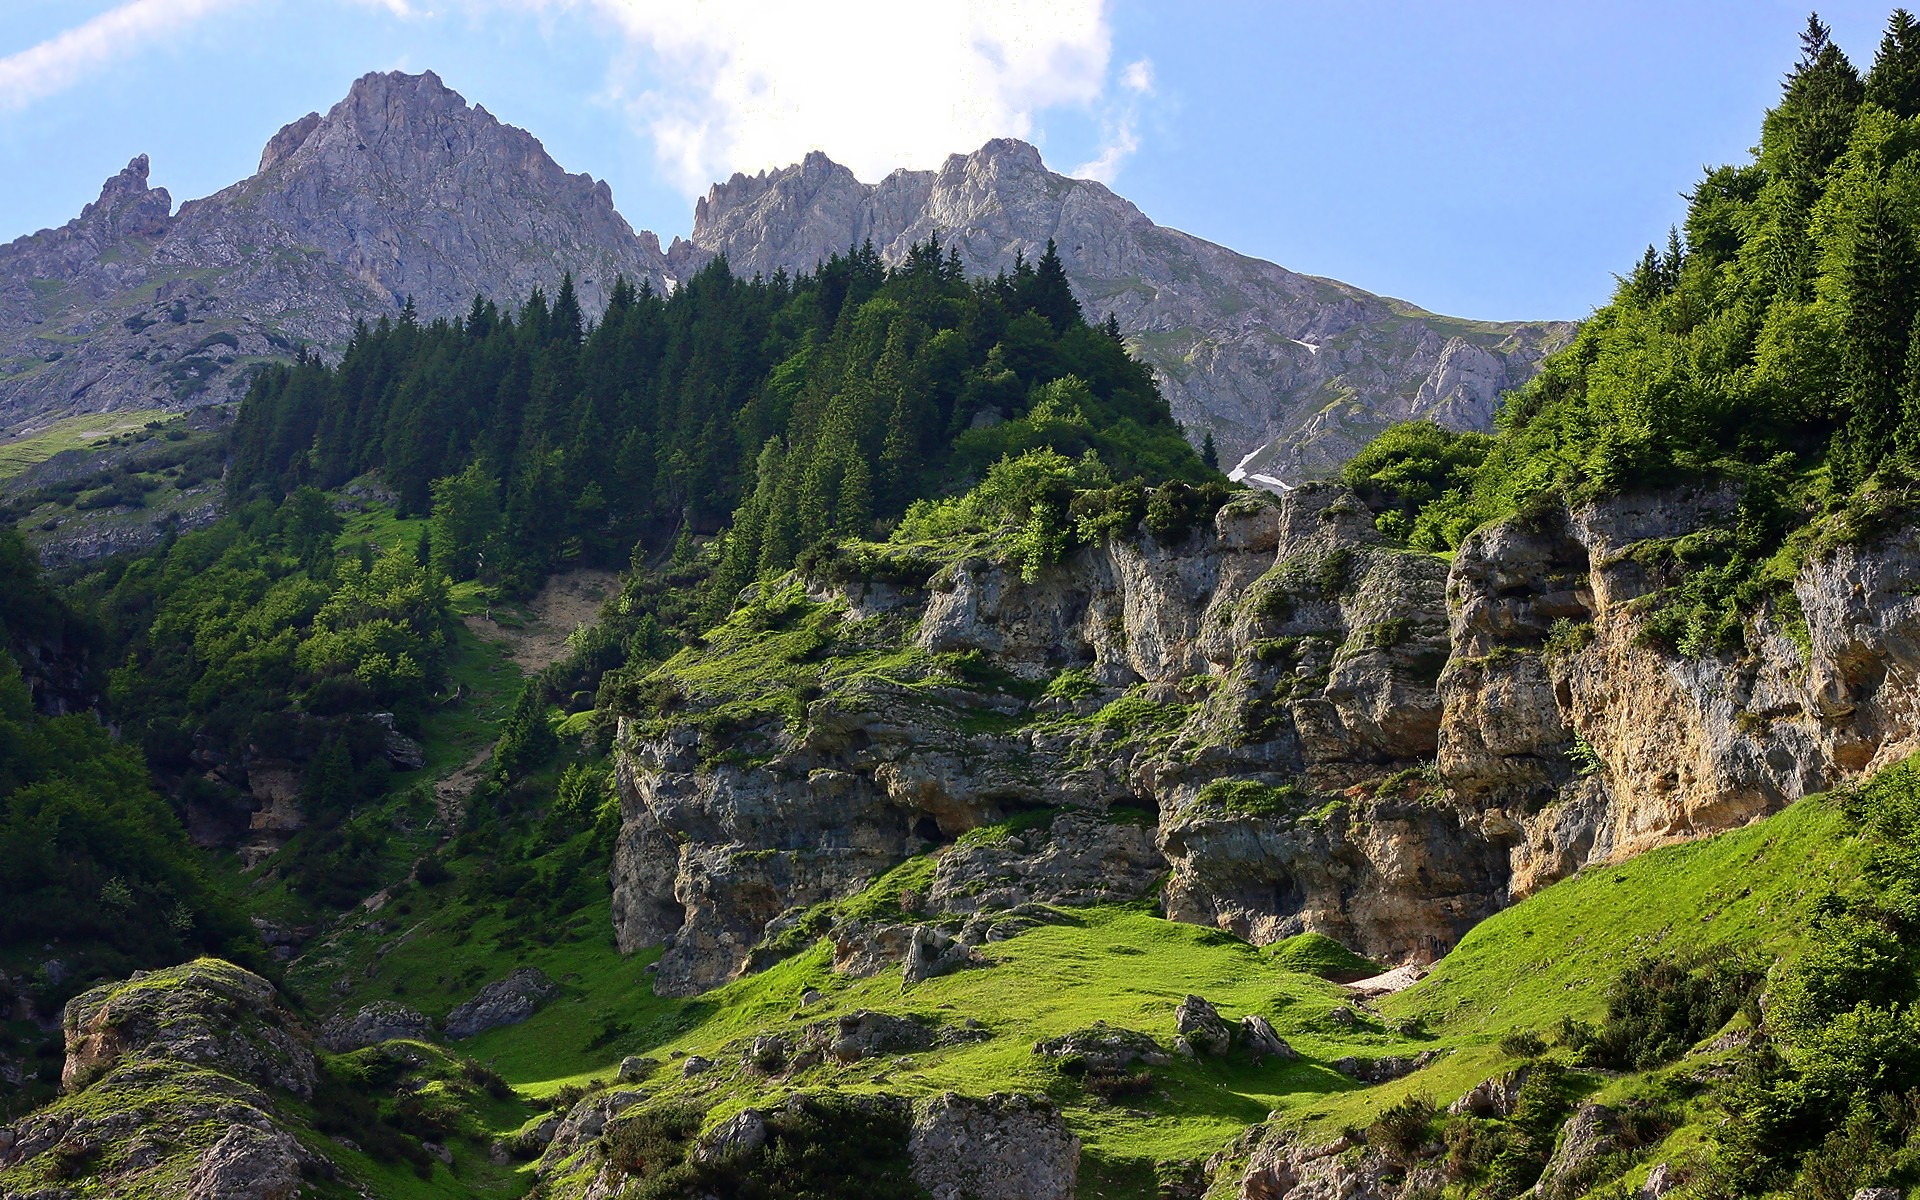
[(1309, 729)]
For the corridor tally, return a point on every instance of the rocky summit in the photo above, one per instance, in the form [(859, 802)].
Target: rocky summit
[(401, 191), (1290, 373)]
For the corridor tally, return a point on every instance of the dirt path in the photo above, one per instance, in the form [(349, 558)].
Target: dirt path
[(565, 604)]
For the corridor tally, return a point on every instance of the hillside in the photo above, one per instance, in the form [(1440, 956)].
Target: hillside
[(828, 734)]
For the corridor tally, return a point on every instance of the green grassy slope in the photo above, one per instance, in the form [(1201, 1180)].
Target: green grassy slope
[(1549, 957)]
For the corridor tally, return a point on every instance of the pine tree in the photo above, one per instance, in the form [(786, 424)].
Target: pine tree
[(1809, 128), (1880, 275), (1050, 294), (1894, 81), (1208, 454)]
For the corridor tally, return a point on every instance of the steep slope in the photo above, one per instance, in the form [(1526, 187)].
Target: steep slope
[(400, 190), (1291, 373)]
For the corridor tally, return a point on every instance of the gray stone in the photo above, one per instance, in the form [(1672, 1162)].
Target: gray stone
[(1200, 1026), (1104, 1047), (248, 1163), (1002, 1147), (506, 1001), (380, 1021), (1259, 1040), (633, 1068), (932, 952), (738, 1136)]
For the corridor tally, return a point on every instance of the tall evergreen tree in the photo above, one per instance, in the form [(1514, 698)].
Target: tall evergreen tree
[(1880, 277), (1894, 81), (1808, 129)]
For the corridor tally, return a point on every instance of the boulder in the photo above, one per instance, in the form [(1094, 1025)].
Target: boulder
[(1001, 1147), (380, 1021), (503, 1002), (738, 1136), (1258, 1039), (1199, 1026), (1590, 1134), (865, 1034), (931, 952), (1384, 1069), (1103, 1047), (1494, 1097)]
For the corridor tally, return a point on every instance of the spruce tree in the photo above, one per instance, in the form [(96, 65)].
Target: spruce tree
[(1894, 82), (1809, 128), (1208, 454), (1880, 275)]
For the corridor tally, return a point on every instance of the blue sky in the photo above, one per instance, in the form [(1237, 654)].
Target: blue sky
[(1480, 158)]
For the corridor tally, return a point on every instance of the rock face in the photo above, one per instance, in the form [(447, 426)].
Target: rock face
[(402, 189), (1579, 742), (1002, 1147), (1280, 650), (1291, 373), (1315, 731)]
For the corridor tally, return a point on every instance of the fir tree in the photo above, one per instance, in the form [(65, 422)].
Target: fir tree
[(1880, 275), (1894, 81), (1208, 454)]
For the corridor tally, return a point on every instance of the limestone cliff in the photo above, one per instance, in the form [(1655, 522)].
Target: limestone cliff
[(1324, 732), (1291, 373)]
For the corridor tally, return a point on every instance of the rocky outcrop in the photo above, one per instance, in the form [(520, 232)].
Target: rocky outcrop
[(173, 1079), (506, 1001), (208, 1012), (1001, 1147), (380, 1021), (402, 190), (1316, 731), (1242, 348), (1271, 1163), (1248, 688)]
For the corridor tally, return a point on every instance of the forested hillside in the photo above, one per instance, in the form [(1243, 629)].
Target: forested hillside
[(830, 400), (1770, 346)]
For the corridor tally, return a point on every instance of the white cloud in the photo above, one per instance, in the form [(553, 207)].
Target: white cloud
[(1120, 126), (876, 84), (726, 85), (62, 60)]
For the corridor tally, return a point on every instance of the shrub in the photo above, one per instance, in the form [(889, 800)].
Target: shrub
[(1658, 1008), (1401, 1130)]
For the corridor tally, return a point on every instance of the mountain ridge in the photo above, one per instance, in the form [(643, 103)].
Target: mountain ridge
[(405, 190)]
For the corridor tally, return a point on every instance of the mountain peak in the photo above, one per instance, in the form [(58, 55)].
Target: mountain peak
[(127, 205), (1010, 151)]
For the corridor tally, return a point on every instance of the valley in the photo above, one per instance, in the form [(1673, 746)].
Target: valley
[(803, 713)]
